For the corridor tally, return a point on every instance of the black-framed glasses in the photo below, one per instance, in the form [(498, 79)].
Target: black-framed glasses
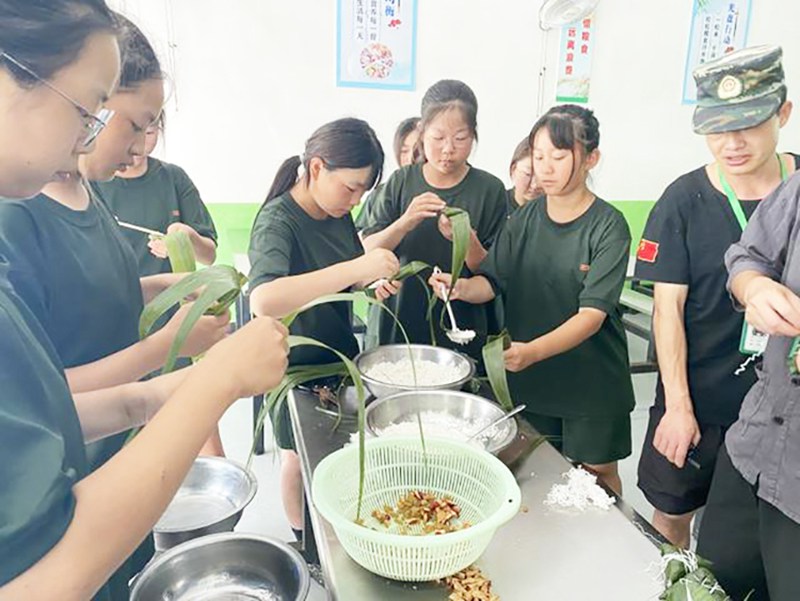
[(93, 124)]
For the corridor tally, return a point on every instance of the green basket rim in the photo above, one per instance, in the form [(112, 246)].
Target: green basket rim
[(507, 510)]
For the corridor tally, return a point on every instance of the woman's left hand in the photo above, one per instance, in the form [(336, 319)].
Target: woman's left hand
[(519, 356)]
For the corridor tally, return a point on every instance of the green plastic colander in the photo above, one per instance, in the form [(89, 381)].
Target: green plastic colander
[(479, 483)]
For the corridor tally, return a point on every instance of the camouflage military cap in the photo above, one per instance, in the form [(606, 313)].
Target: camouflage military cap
[(739, 90)]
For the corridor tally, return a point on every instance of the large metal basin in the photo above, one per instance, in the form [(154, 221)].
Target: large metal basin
[(211, 499), (230, 566)]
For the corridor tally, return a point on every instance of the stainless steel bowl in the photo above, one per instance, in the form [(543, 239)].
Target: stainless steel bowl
[(225, 566), (405, 406), (397, 352), (211, 499)]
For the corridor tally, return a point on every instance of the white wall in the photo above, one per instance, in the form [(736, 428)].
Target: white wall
[(255, 77)]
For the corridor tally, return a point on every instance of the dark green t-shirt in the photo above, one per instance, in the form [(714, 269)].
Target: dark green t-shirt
[(367, 205), (547, 271), (483, 196), (79, 277), (162, 196), (287, 241), (511, 203), (41, 443)]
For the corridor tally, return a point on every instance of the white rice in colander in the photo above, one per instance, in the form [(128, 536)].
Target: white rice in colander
[(428, 373)]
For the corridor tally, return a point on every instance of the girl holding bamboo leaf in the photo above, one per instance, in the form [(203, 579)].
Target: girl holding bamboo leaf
[(303, 246), (408, 217), (559, 266), (67, 530), (71, 266)]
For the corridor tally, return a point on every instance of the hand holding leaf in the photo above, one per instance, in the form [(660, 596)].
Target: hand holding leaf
[(425, 206)]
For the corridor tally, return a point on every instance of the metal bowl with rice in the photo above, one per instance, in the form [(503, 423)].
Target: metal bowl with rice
[(401, 356), (448, 413)]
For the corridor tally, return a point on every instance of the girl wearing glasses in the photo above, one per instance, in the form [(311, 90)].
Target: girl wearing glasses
[(69, 529), (304, 245), (406, 216)]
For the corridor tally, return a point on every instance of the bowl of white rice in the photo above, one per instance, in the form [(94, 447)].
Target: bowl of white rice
[(395, 368), (449, 414)]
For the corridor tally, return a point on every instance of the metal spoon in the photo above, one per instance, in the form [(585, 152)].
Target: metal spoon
[(454, 333), (499, 420)]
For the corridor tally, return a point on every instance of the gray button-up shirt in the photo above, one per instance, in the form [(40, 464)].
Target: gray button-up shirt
[(764, 444)]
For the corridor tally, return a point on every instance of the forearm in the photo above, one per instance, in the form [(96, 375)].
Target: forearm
[(740, 283), (284, 295), (476, 253), (205, 250), (671, 350), (128, 365), (475, 290), (573, 332), (117, 505), (109, 411), (388, 238), (153, 285)]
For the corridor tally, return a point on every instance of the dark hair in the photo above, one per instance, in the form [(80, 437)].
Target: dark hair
[(571, 127), (445, 95), (342, 144), (48, 35), (401, 133), (139, 60), (522, 150)]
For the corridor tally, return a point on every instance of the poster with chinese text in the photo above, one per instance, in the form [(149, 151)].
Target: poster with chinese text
[(376, 44), (718, 27), (575, 61)]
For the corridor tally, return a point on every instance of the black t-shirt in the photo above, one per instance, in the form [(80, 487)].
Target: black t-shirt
[(41, 444), (287, 241), (545, 273), (162, 196), (481, 195), (684, 242), (80, 278)]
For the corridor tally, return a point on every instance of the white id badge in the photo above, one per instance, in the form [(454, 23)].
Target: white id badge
[(753, 342)]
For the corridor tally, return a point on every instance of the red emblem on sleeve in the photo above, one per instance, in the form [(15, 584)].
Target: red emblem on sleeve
[(648, 251)]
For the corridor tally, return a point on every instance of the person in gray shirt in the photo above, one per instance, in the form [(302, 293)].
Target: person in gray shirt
[(751, 529)]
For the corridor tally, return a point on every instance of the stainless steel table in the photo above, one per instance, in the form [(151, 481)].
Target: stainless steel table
[(542, 554)]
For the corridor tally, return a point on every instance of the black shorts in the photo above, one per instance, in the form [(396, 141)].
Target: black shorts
[(752, 545), (673, 490), (590, 440), (282, 426)]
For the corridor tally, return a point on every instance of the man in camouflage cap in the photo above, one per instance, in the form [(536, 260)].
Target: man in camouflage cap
[(698, 334), (739, 91), (751, 528)]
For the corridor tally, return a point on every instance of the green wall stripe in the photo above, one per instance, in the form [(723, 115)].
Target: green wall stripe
[(234, 221)]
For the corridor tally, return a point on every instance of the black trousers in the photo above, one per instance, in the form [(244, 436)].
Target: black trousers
[(753, 545)]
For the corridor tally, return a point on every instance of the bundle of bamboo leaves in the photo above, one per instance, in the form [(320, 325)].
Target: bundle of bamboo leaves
[(688, 577)]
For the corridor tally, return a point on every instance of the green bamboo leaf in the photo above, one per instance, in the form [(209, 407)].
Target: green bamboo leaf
[(432, 300), (406, 271), (462, 232), (409, 269), (204, 302), (361, 395), (793, 351), (496, 368), (220, 276), (180, 252)]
